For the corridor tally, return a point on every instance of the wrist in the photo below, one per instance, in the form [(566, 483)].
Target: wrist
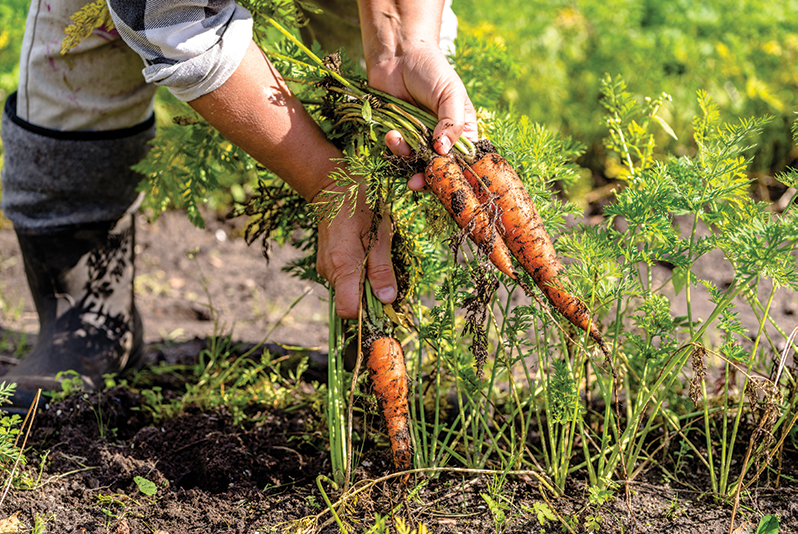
[(314, 192), (390, 27)]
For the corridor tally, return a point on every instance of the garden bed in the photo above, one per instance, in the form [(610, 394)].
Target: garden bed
[(214, 476)]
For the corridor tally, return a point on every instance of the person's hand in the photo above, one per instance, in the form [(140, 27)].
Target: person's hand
[(343, 243), (422, 76)]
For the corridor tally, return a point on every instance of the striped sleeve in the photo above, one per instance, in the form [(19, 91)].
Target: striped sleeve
[(190, 46)]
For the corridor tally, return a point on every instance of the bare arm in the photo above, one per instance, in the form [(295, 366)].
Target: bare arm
[(255, 110)]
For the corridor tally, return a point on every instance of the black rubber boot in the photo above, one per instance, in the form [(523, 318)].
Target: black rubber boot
[(81, 279)]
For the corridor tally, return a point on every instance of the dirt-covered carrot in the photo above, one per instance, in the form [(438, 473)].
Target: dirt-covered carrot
[(445, 178), (385, 361), (521, 229)]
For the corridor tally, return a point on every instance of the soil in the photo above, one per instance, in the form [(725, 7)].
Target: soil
[(214, 476)]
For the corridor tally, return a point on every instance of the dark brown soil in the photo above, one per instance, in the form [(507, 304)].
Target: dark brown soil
[(216, 477)]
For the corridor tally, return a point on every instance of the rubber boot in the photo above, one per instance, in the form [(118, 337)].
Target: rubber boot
[(81, 279)]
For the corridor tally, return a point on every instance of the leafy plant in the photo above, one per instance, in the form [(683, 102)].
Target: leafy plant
[(497, 507), (147, 487), (9, 429), (768, 525), (543, 513), (741, 56)]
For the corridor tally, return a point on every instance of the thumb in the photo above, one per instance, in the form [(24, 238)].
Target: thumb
[(379, 267)]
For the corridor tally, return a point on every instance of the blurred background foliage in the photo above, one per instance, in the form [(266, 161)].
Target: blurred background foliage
[(545, 60), (12, 25), (743, 53)]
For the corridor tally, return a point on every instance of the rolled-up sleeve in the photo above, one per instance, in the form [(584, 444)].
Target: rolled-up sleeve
[(191, 47)]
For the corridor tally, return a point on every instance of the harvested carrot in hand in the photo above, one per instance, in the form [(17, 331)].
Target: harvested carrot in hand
[(385, 361), (521, 228), (445, 178)]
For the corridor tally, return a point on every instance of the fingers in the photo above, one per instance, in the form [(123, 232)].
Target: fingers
[(397, 145), (339, 263), (379, 267), (417, 182), (347, 289), (456, 117), (340, 259)]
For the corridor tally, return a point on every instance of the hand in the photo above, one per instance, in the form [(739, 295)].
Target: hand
[(342, 248), (421, 75)]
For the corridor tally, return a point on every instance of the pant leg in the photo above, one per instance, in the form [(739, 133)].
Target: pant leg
[(75, 126), (96, 86)]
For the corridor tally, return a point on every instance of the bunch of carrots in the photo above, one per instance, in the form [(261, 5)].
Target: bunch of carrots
[(485, 197), (489, 201)]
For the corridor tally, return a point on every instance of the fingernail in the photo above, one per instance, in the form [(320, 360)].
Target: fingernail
[(386, 294), (445, 144), (393, 141)]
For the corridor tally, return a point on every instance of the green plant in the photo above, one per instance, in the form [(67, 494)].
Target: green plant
[(543, 512), (115, 506), (9, 429), (768, 525), (40, 523), (592, 523), (147, 487), (497, 504), (226, 375), (12, 22), (71, 384), (403, 528), (560, 50), (337, 420), (489, 368)]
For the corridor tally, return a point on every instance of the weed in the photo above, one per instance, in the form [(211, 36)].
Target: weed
[(768, 525), (498, 504), (592, 523), (9, 428), (71, 384), (599, 495), (115, 506), (147, 487), (40, 523), (312, 502), (497, 511), (542, 512), (404, 528)]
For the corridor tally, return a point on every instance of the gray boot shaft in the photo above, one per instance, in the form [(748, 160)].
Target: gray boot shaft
[(53, 179)]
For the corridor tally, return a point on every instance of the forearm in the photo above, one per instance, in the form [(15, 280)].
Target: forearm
[(391, 26), (256, 110)]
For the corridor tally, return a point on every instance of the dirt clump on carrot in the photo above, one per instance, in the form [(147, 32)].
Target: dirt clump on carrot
[(445, 179), (385, 361), (497, 186)]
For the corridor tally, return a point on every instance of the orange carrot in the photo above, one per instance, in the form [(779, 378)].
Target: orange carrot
[(522, 231), (386, 364), (445, 178)]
